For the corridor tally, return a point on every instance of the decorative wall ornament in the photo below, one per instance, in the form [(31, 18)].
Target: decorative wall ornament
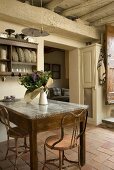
[(101, 68)]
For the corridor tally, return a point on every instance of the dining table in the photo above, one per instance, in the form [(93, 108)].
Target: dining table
[(35, 118)]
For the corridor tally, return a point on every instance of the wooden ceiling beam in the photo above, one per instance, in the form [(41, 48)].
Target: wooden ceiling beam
[(85, 8), (63, 4), (105, 20), (53, 4), (99, 13)]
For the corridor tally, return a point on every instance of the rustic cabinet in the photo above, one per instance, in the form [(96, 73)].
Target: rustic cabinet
[(17, 57), (88, 66), (91, 91)]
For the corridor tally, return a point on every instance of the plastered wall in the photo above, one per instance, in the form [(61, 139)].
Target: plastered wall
[(9, 87)]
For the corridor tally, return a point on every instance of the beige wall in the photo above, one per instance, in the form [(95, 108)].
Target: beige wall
[(74, 75), (9, 87)]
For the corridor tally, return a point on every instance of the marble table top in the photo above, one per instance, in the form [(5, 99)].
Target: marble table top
[(33, 110)]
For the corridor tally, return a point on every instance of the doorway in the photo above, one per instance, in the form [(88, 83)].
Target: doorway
[(55, 61)]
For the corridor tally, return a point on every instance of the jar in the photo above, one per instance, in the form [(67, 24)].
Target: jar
[(2, 67), (3, 52)]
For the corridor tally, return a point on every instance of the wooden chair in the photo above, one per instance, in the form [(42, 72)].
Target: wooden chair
[(66, 141), (13, 132)]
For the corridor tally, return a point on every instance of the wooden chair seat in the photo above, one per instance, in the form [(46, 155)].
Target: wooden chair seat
[(17, 132), (65, 144)]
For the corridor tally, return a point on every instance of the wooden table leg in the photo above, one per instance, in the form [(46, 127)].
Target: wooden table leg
[(33, 151), (82, 146)]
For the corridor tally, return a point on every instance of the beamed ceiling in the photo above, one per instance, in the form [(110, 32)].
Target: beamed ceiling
[(92, 12)]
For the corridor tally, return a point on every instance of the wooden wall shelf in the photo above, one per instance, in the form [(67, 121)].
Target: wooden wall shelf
[(23, 63), (9, 45), (13, 73)]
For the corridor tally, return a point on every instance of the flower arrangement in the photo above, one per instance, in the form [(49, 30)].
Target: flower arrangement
[(35, 82)]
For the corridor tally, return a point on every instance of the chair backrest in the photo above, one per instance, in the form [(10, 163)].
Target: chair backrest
[(4, 117), (76, 120)]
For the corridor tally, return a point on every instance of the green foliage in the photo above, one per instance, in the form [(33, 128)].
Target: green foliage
[(35, 80)]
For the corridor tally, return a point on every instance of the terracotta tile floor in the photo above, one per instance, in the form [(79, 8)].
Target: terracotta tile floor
[(99, 151)]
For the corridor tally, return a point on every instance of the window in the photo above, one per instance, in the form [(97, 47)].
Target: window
[(54, 68), (47, 67)]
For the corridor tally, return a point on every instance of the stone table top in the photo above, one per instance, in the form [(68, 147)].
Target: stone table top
[(34, 111)]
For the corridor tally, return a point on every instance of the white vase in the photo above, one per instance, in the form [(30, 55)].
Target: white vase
[(43, 98)]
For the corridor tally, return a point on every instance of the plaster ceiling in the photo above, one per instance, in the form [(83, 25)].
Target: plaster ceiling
[(92, 12)]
